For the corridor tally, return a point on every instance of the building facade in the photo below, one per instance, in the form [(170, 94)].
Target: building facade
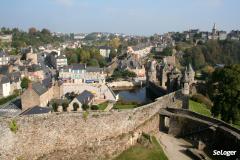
[(80, 73)]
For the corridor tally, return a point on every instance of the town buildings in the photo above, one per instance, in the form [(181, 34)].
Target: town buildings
[(4, 58), (80, 73), (105, 51)]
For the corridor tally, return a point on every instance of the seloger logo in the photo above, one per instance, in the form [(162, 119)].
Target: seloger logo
[(224, 153)]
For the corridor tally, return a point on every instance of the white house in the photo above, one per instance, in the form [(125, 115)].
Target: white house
[(5, 87), (105, 51), (4, 58)]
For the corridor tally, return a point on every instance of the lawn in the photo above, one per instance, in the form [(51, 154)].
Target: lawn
[(140, 152), (124, 106), (102, 106), (202, 109), (199, 108)]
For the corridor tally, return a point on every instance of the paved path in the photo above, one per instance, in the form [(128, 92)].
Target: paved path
[(173, 147)]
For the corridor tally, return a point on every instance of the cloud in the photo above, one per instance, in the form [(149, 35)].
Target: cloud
[(66, 3)]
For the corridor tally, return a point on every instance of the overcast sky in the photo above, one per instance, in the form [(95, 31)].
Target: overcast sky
[(143, 17)]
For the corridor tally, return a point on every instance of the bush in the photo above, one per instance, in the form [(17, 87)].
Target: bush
[(202, 99), (85, 107), (13, 126), (65, 106), (85, 115), (94, 107), (75, 106)]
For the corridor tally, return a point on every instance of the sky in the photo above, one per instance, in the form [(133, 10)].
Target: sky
[(138, 17)]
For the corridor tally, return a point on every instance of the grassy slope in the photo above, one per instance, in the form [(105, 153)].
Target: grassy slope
[(199, 108), (102, 106), (202, 109), (139, 152)]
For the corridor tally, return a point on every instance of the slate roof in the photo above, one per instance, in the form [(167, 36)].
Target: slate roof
[(36, 110), (3, 54), (85, 96), (4, 70), (39, 88), (94, 69), (4, 79)]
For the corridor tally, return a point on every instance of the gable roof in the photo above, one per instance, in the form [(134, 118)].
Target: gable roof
[(36, 110), (39, 88), (85, 96)]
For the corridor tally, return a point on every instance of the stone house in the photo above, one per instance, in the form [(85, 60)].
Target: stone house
[(36, 95), (4, 58), (85, 97)]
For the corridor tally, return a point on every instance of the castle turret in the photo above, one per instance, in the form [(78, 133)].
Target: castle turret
[(186, 87), (191, 74)]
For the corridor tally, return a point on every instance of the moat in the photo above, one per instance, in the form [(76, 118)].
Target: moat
[(138, 95)]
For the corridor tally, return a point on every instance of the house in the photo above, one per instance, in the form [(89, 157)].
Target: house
[(36, 95), (36, 110), (85, 97), (60, 61), (4, 58), (80, 73), (6, 38), (5, 87), (15, 81), (132, 64), (56, 60), (105, 51)]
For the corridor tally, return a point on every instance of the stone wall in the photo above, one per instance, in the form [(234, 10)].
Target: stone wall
[(66, 135), (216, 134)]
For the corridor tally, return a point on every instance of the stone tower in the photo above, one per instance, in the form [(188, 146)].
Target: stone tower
[(190, 74), (151, 72), (186, 86)]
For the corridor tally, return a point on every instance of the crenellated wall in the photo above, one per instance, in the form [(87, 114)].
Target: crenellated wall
[(70, 135)]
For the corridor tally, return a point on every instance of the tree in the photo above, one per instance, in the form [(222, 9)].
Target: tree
[(115, 43), (225, 93), (75, 106), (45, 31), (55, 106), (85, 107), (112, 54), (167, 51), (25, 82), (65, 106), (32, 30), (93, 62)]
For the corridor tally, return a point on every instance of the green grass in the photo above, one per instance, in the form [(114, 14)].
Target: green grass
[(199, 108), (140, 152), (102, 106), (124, 106), (202, 109)]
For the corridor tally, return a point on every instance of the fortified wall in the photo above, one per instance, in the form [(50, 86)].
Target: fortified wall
[(97, 135)]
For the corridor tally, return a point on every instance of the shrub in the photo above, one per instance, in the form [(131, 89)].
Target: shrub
[(13, 126), (85, 115), (94, 107), (55, 106), (85, 107), (202, 99), (75, 106), (65, 106)]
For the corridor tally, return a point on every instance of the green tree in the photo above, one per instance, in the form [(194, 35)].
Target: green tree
[(65, 106), (75, 106), (93, 62), (55, 106), (168, 51), (85, 107), (25, 82), (225, 93)]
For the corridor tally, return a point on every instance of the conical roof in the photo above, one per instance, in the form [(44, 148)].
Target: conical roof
[(185, 78), (190, 69)]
